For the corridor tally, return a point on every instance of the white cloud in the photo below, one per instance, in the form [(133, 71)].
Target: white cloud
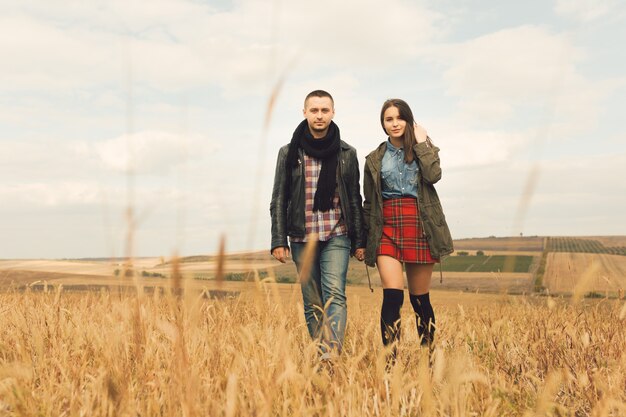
[(58, 160), (171, 45), (576, 195), (43, 56), (487, 111), (198, 68), (462, 144), (368, 32), (149, 152), (521, 63), (584, 10), (48, 194), (522, 71), (463, 148), (185, 51), (40, 161)]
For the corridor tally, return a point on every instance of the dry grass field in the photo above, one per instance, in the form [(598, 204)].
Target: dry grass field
[(524, 244), (585, 272), (59, 266), (102, 273), (114, 354), (76, 340), (107, 268)]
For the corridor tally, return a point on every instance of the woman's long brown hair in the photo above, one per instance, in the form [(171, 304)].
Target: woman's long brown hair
[(407, 115)]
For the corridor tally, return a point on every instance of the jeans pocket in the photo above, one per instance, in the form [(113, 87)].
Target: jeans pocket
[(341, 242)]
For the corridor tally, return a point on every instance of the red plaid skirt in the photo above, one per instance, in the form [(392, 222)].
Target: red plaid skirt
[(403, 236)]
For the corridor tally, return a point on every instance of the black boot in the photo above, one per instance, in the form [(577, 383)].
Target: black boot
[(425, 318), (390, 317)]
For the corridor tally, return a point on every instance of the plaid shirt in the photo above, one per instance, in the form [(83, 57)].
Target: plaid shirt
[(327, 224)]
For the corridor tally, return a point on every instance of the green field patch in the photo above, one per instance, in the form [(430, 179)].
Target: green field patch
[(495, 263)]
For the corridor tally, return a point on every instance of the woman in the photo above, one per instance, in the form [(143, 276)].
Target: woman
[(404, 220)]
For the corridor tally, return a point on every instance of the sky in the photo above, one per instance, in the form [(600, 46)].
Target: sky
[(176, 109)]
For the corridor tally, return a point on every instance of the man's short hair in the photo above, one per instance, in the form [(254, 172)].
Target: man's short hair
[(319, 93)]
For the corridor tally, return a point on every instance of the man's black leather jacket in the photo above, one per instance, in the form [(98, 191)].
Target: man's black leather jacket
[(287, 205)]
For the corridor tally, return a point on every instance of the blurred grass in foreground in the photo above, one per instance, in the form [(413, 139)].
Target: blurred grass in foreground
[(104, 354)]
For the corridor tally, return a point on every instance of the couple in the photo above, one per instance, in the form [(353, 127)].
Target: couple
[(317, 195)]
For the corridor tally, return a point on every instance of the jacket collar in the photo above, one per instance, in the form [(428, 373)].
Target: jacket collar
[(376, 156)]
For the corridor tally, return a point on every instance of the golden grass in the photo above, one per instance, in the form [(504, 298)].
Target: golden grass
[(106, 354), (585, 272)]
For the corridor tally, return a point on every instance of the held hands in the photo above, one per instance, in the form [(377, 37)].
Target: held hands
[(281, 254), (420, 133)]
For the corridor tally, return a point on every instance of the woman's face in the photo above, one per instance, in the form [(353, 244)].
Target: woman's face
[(394, 125)]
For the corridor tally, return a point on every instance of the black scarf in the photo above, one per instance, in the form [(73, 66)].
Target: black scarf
[(326, 149)]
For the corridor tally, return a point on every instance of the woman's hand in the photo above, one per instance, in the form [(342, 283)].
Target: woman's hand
[(420, 133), (359, 254)]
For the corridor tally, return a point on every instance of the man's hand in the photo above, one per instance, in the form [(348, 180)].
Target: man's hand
[(281, 254), (359, 254)]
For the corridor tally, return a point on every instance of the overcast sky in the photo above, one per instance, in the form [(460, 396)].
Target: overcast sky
[(525, 99)]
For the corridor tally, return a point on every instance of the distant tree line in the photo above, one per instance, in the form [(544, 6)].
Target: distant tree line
[(130, 273)]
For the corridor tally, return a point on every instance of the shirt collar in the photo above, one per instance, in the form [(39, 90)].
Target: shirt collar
[(392, 148)]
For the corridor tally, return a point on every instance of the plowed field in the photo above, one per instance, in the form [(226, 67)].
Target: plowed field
[(585, 272)]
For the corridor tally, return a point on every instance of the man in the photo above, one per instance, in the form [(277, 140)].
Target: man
[(317, 196)]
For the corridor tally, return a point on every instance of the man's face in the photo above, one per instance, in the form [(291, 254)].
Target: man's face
[(319, 111)]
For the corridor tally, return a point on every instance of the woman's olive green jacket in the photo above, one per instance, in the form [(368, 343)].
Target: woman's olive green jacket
[(431, 214)]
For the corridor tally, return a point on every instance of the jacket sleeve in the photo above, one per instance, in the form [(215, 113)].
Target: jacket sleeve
[(368, 186), (356, 203), (428, 157), (278, 205)]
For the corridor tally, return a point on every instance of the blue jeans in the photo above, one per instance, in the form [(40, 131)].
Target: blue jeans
[(324, 292)]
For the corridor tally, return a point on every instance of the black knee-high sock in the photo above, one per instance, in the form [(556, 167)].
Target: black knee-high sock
[(425, 317), (390, 315)]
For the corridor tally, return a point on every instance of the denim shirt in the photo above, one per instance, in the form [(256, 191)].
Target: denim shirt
[(399, 179)]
